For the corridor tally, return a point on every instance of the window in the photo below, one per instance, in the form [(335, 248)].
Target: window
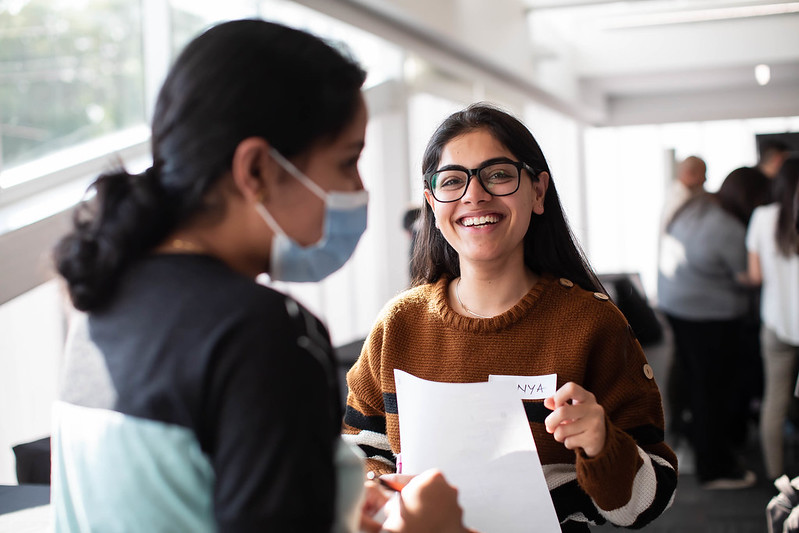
[(628, 172), (70, 71)]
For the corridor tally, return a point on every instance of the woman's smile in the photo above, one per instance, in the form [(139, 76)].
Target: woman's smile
[(480, 221)]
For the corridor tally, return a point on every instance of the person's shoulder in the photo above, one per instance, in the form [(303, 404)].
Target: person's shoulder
[(235, 292), (762, 223), (231, 296), (411, 302), (411, 298), (572, 299), (694, 208), (764, 212), (720, 221)]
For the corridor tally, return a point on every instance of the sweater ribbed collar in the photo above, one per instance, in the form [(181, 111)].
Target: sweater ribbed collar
[(483, 325)]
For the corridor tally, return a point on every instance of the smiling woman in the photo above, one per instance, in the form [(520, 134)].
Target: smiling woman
[(548, 243), (502, 289)]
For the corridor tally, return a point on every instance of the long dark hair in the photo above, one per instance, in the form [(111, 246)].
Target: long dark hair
[(549, 246), (742, 190), (785, 188), (237, 80)]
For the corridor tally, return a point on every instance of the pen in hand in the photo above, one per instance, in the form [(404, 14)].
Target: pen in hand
[(391, 485)]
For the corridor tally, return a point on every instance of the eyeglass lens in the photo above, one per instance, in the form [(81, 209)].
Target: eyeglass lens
[(499, 179)]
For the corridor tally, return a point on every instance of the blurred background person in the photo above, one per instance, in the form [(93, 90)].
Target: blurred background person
[(411, 221), (701, 253), (773, 246), (688, 183), (773, 154)]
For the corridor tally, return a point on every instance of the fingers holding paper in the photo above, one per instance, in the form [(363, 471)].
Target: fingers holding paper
[(426, 504), (577, 420), (374, 500)]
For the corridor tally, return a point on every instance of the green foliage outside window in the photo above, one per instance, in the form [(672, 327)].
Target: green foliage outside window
[(70, 71)]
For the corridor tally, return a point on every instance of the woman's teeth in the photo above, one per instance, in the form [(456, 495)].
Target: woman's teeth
[(480, 221)]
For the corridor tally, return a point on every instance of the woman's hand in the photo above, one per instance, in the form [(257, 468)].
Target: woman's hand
[(576, 420), (427, 503), (753, 277), (374, 500)]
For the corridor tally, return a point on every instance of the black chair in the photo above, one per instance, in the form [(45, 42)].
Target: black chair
[(346, 355), (627, 293), (33, 462)]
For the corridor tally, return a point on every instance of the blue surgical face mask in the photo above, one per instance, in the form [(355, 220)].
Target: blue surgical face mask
[(345, 222)]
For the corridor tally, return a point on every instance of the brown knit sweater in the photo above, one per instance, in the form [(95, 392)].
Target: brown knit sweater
[(556, 328)]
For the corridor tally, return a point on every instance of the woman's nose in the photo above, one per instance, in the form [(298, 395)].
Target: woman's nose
[(475, 193)]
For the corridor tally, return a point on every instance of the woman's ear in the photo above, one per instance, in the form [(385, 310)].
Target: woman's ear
[(253, 170), (428, 196), (540, 186)]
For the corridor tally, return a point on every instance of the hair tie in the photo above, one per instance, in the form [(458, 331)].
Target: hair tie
[(151, 173)]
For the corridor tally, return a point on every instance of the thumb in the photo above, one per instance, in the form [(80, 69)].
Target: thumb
[(549, 403)]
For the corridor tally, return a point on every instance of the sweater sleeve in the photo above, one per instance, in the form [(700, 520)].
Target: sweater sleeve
[(634, 479), (365, 414)]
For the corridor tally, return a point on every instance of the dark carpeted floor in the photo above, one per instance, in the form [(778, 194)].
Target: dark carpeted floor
[(698, 510)]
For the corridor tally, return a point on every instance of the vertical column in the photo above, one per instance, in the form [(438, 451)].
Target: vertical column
[(157, 49)]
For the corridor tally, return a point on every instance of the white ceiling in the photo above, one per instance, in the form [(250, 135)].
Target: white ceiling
[(665, 60), (620, 62)]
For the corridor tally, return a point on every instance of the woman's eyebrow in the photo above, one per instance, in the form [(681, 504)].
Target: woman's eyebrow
[(493, 160), (451, 167), (503, 159)]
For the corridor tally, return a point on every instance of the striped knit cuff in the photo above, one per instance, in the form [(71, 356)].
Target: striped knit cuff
[(608, 477)]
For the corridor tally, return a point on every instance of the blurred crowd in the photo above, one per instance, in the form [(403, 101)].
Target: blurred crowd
[(728, 285)]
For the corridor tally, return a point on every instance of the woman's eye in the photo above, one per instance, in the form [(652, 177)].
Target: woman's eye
[(451, 182), (499, 175)]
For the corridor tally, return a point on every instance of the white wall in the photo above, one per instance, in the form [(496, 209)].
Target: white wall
[(31, 339)]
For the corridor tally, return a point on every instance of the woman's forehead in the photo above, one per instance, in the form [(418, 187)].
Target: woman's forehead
[(472, 148)]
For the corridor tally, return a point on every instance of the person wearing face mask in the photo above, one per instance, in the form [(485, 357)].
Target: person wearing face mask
[(179, 407), (501, 288), (345, 221)]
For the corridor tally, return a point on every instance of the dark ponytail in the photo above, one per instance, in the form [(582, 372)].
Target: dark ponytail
[(240, 79), (123, 219)]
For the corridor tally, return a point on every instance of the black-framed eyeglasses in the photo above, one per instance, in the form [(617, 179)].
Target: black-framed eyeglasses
[(498, 178)]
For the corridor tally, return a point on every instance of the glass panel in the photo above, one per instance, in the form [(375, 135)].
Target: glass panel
[(69, 72)]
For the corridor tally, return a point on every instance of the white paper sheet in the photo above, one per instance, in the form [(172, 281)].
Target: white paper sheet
[(478, 435)]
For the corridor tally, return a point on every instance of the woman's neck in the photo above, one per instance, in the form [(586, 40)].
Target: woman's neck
[(214, 242), (483, 292)]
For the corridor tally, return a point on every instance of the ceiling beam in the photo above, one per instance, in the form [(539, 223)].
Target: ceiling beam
[(390, 23), (534, 5)]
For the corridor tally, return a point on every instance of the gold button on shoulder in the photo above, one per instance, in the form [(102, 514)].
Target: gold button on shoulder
[(566, 283), (601, 296), (648, 372)]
